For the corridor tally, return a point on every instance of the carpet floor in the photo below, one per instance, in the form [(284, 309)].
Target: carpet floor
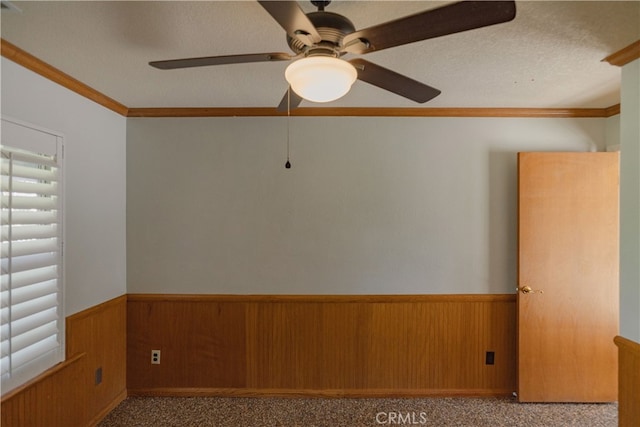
[(316, 412)]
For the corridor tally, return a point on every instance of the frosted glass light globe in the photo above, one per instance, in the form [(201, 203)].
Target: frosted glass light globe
[(321, 78)]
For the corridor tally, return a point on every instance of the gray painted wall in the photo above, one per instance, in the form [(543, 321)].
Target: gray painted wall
[(371, 205), (630, 202)]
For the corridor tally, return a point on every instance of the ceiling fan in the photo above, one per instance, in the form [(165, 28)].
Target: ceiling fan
[(319, 40)]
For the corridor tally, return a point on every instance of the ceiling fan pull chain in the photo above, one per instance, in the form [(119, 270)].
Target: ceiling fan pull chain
[(288, 164)]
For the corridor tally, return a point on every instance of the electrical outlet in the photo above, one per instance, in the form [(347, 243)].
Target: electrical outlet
[(155, 357), (490, 358)]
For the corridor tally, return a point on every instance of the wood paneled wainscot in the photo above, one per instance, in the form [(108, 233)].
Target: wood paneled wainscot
[(413, 345), (67, 395), (628, 382)]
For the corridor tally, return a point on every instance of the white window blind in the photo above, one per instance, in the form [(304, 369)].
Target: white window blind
[(31, 283)]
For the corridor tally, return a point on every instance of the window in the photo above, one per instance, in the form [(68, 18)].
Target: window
[(32, 327)]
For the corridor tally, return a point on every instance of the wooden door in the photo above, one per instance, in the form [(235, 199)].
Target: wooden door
[(568, 255)]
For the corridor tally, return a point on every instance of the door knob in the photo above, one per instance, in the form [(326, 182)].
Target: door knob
[(527, 290)]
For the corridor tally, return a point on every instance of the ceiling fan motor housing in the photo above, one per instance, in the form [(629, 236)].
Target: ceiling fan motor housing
[(331, 27)]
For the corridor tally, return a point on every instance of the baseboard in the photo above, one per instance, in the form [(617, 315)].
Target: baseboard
[(110, 407), (297, 393)]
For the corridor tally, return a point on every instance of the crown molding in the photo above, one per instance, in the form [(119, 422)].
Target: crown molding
[(612, 111), (40, 67), (47, 71), (377, 112), (625, 55)]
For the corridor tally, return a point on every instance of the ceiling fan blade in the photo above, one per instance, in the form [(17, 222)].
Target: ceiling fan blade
[(220, 60), (290, 100), (290, 17), (393, 82), (449, 19)]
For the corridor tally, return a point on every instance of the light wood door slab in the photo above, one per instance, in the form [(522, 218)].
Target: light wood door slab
[(568, 248)]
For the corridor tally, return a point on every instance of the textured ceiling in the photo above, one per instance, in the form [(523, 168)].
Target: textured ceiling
[(549, 56)]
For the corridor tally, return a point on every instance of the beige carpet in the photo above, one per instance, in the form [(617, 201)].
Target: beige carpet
[(308, 412)]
